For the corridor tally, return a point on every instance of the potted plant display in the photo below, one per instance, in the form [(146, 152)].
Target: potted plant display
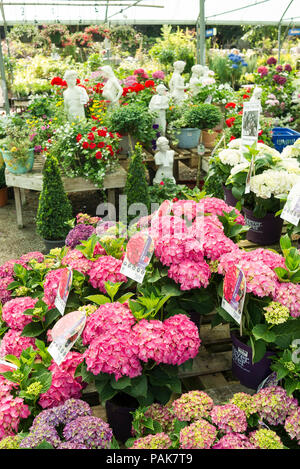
[(194, 119), (134, 122), (54, 210), (16, 148)]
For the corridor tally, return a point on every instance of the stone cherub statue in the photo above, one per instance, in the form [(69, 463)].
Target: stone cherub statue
[(176, 84), (256, 96), (196, 79), (164, 159), (159, 103), (75, 97), (112, 89)]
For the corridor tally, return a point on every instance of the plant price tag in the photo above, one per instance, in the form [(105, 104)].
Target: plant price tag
[(291, 210), (139, 251), (234, 292), (65, 333), (7, 366), (63, 291)]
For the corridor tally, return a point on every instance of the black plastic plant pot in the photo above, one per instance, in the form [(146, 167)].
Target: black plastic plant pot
[(53, 244), (119, 416), (249, 374)]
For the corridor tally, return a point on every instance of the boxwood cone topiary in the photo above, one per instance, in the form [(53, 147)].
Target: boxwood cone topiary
[(136, 187), (54, 209)]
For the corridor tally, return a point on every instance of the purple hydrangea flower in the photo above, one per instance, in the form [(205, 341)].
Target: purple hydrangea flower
[(70, 445), (74, 408), (81, 232), (38, 435), (49, 417), (90, 431)]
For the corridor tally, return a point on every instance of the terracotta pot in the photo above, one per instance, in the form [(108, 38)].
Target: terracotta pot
[(3, 196), (209, 138)]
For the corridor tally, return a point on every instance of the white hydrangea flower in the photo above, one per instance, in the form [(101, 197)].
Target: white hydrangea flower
[(291, 165), (236, 143), (230, 156), (239, 168), (273, 182)]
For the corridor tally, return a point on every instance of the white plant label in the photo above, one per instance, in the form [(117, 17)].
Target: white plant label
[(234, 291), (139, 251), (63, 290), (65, 333), (291, 210)]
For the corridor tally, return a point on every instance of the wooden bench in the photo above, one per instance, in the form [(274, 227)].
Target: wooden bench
[(34, 181)]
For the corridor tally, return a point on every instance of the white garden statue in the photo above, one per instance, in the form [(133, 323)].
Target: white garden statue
[(176, 84), (164, 159), (112, 89), (75, 97), (196, 79), (256, 96), (159, 103)]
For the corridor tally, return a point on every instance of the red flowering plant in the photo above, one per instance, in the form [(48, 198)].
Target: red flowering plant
[(84, 150), (140, 93)]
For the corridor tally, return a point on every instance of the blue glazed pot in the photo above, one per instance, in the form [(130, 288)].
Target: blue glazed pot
[(18, 167), (188, 137)]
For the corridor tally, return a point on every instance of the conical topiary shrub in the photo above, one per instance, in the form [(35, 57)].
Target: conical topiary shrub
[(54, 209), (136, 187)]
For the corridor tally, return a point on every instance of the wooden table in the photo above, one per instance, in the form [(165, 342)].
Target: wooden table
[(34, 181)]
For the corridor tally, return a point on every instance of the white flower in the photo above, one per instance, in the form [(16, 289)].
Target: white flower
[(273, 182), (239, 168), (291, 151), (291, 165), (230, 157), (235, 143)]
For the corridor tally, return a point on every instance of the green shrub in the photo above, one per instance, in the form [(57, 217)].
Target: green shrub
[(133, 119), (136, 187), (54, 209), (199, 116)]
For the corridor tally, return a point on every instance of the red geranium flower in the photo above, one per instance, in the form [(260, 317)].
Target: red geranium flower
[(92, 145), (91, 136), (149, 84), (260, 141), (98, 155), (246, 96), (232, 138), (260, 133), (79, 137), (93, 129), (85, 145), (102, 133), (101, 145), (230, 121), (228, 105)]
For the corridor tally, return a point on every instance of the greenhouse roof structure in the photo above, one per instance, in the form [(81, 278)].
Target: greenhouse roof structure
[(181, 12)]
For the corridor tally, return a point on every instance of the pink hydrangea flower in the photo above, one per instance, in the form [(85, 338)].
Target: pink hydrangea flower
[(172, 250), (234, 441), (199, 435), (113, 354), (51, 284), (292, 425), (150, 338), (288, 294), (76, 260), (13, 343), (106, 268), (190, 274), (229, 418), (12, 312), (64, 386), (218, 206), (181, 339), (157, 441), (99, 250), (215, 244), (6, 386), (38, 256), (108, 317), (158, 75), (192, 406), (274, 405), (7, 269), (167, 225), (12, 410), (270, 258), (5, 295), (185, 208)]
